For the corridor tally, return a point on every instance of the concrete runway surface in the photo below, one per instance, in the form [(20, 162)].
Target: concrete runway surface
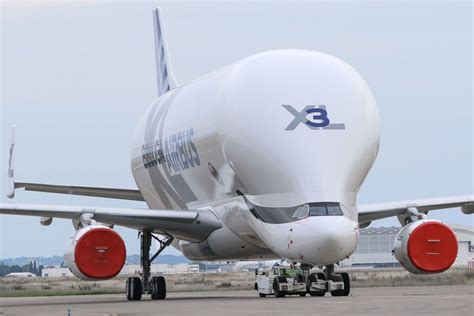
[(432, 300)]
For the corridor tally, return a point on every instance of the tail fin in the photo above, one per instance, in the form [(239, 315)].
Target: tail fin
[(165, 78)]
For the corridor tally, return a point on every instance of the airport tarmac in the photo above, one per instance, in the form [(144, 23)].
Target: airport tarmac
[(426, 300)]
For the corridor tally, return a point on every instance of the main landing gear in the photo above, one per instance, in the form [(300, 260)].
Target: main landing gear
[(155, 286)]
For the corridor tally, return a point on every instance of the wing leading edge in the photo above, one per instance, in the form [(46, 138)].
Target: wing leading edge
[(371, 212), (190, 225)]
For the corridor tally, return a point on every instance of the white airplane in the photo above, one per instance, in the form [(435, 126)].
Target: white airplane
[(262, 159)]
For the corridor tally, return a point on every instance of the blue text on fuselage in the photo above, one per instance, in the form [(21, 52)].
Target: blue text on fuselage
[(176, 152)]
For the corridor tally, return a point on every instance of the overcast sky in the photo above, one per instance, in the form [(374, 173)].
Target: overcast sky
[(75, 77)]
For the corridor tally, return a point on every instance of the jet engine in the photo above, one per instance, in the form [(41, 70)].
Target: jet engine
[(95, 252), (426, 246)]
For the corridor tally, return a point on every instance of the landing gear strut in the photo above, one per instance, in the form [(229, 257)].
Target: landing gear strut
[(155, 286)]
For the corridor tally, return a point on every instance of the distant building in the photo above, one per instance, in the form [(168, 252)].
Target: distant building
[(376, 243), (20, 275), (162, 268), (56, 271), (128, 269), (227, 267), (470, 264)]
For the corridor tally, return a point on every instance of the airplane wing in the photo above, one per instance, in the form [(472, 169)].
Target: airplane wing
[(371, 212), (190, 225), (113, 193)]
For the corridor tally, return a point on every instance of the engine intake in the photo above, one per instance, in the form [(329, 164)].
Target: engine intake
[(95, 252), (426, 246)]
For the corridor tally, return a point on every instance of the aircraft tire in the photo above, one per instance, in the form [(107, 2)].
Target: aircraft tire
[(337, 278), (276, 286), (158, 288), (133, 288), (314, 278), (347, 284)]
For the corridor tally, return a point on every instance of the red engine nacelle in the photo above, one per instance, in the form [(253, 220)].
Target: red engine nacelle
[(95, 252), (426, 246)]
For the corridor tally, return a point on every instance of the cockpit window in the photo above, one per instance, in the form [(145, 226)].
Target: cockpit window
[(317, 210), (280, 215), (325, 209), (334, 209), (301, 212)]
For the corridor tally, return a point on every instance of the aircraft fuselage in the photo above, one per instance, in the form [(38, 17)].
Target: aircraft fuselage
[(277, 145)]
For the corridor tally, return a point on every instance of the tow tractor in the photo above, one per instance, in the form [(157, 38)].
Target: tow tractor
[(284, 280)]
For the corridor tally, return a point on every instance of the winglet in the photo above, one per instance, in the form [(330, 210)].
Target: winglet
[(11, 170), (164, 73)]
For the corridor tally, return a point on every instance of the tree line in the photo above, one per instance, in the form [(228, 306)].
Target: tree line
[(29, 267)]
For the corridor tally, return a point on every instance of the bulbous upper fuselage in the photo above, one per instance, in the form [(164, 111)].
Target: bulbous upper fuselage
[(280, 128)]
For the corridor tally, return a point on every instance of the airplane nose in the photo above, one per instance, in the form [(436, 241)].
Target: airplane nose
[(323, 240)]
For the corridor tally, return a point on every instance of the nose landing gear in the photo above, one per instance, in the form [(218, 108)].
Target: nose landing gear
[(338, 284), (293, 280), (314, 278), (155, 286)]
